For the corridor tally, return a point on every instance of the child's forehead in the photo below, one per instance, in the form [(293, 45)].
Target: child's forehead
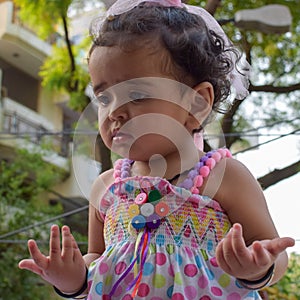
[(111, 65)]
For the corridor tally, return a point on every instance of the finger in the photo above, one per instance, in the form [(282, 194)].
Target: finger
[(238, 244), (55, 251), (39, 259), (77, 252), (261, 255), (29, 264), (278, 245), (220, 258), (67, 244), (228, 256)]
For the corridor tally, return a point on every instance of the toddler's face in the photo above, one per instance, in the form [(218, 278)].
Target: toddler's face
[(142, 111)]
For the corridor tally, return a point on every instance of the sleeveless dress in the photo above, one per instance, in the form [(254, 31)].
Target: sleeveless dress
[(161, 239)]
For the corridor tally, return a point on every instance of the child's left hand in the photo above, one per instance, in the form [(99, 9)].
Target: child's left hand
[(252, 262)]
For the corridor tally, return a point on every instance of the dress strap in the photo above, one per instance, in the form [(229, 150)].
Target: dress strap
[(122, 168), (202, 169)]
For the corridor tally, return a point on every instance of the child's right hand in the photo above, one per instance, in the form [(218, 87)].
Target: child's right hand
[(64, 268)]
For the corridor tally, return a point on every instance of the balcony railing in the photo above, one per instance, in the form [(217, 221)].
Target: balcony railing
[(23, 123)]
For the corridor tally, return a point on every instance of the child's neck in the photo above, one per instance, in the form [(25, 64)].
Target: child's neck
[(168, 166)]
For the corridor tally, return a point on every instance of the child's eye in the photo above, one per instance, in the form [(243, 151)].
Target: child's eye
[(138, 96), (102, 99)]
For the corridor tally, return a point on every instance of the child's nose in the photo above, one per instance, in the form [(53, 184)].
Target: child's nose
[(119, 113)]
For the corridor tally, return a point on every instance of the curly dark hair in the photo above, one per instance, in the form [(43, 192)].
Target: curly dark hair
[(195, 51)]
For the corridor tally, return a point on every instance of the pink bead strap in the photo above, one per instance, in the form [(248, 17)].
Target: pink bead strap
[(203, 169)]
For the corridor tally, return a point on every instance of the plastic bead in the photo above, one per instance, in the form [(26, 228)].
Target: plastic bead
[(222, 152), (117, 173), (198, 181), (228, 153), (133, 210), (141, 198), (211, 163), (153, 221), (138, 222), (154, 195), (216, 156), (147, 209), (187, 183), (204, 171), (162, 209), (146, 184), (194, 190)]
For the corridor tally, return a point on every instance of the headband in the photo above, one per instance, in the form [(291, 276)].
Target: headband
[(239, 76)]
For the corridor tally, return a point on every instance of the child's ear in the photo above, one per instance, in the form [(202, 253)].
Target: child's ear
[(206, 90), (202, 103)]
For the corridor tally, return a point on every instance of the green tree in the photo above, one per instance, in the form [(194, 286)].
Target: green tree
[(23, 186), (289, 285), (65, 71), (275, 83)]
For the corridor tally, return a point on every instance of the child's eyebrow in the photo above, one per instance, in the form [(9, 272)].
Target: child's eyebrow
[(99, 87)]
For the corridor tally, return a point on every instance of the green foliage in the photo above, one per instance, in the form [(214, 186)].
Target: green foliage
[(289, 285), (42, 15), (22, 183)]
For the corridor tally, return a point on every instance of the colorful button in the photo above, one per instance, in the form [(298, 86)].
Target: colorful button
[(141, 198), (133, 210), (146, 184), (147, 209), (162, 209), (153, 221), (138, 222), (154, 195)]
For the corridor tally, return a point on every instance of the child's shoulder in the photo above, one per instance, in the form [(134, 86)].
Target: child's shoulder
[(100, 185), (233, 184)]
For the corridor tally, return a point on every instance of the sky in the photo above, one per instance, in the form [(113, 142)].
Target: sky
[(283, 198)]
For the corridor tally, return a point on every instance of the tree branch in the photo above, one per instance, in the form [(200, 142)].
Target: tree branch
[(72, 85), (279, 174), (268, 88)]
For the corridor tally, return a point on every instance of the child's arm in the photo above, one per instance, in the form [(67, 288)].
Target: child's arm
[(252, 245)]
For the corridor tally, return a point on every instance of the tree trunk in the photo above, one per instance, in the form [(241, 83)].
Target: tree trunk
[(212, 5), (278, 175)]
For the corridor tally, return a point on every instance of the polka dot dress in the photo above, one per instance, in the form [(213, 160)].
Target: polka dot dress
[(160, 243)]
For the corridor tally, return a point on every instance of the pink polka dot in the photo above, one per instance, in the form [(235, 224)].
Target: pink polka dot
[(202, 282), (127, 297), (161, 259), (120, 267), (103, 268), (189, 252), (190, 292), (143, 290), (129, 278), (205, 298), (156, 298), (177, 296), (171, 271), (106, 297), (233, 296), (216, 291), (213, 262), (190, 270), (118, 291)]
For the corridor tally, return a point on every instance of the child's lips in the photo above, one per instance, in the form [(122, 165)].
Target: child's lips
[(121, 137)]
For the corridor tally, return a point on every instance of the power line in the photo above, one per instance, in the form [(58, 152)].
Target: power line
[(95, 132), (267, 142), (38, 241), (72, 212)]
